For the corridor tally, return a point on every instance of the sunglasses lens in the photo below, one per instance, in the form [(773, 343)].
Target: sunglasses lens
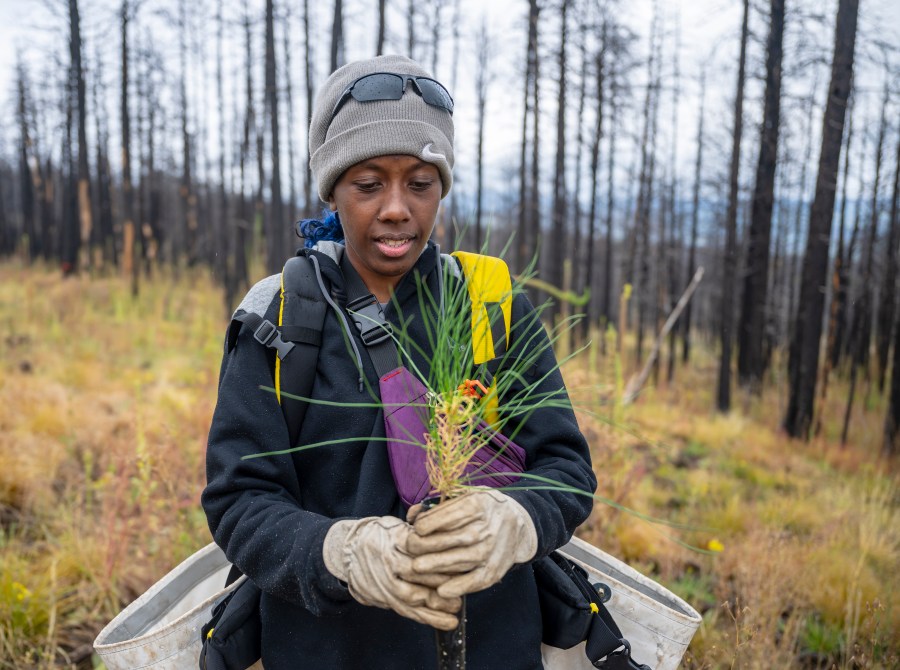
[(379, 86), (434, 94)]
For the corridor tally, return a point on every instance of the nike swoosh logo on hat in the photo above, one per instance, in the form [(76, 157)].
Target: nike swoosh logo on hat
[(429, 156)]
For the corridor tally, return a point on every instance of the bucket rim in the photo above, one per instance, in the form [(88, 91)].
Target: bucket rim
[(108, 648), (683, 612)]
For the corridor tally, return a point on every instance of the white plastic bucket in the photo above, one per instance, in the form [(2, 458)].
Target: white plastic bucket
[(657, 624), (161, 629)]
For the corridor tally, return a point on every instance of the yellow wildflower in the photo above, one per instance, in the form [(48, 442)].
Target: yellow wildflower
[(715, 545), (21, 591)]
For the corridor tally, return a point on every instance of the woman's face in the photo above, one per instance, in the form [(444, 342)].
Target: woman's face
[(387, 206)]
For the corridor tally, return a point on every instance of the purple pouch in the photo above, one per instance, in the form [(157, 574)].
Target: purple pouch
[(405, 399)]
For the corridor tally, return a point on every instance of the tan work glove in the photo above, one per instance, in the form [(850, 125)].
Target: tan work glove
[(478, 536), (368, 554)]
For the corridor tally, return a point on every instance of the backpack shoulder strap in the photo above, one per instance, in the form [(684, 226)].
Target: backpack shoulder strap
[(296, 337), (301, 318)]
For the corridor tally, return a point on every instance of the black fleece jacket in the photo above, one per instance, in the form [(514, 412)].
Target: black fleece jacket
[(270, 514)]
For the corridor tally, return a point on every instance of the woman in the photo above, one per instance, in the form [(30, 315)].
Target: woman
[(347, 582)]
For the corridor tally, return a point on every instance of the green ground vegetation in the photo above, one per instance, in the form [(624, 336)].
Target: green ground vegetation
[(105, 402)]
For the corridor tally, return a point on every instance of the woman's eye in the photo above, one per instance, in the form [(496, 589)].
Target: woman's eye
[(421, 185), (367, 186)]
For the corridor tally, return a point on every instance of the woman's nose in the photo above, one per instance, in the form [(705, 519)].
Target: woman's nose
[(395, 208)]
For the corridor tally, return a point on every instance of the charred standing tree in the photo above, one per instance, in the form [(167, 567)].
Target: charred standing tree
[(130, 267), (411, 29), (224, 239), (288, 234), (640, 246), (676, 232), (527, 186), (887, 303), (78, 230), (275, 221), (808, 331), (840, 276), (577, 244), (447, 215), (726, 311), (436, 32), (337, 36), (560, 195), (753, 318), (609, 315), (590, 316), (247, 204), (874, 212), (482, 82), (534, 199), (26, 161), (892, 420), (103, 243), (860, 329), (379, 45), (695, 223), (308, 204), (188, 196)]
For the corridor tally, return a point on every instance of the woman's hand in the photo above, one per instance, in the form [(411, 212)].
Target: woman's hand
[(369, 554), (477, 538)]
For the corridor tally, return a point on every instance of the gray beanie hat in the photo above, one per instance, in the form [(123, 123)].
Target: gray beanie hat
[(379, 128)]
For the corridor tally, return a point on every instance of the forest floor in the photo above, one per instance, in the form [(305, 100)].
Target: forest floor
[(105, 402)]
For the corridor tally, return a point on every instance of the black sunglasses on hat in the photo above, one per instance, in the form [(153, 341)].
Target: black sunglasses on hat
[(392, 86)]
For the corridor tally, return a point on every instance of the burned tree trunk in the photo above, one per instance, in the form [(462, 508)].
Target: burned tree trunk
[(188, 196), (840, 277), (527, 185), (103, 243), (130, 266), (695, 222), (609, 314), (560, 195), (26, 162), (595, 187), (726, 312), (274, 222), (887, 303), (379, 46), (892, 420), (482, 81), (640, 243), (534, 199), (80, 228), (808, 331), (577, 244), (224, 238), (337, 36), (751, 328), (308, 65)]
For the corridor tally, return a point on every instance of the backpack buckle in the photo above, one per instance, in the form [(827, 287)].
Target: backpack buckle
[(373, 327), (267, 335)]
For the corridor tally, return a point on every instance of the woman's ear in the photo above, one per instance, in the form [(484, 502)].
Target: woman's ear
[(332, 204)]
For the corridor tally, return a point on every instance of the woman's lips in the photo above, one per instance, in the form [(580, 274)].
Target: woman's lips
[(394, 248)]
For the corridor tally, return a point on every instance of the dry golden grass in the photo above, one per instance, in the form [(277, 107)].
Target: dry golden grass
[(811, 532), (105, 403), (104, 407)]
